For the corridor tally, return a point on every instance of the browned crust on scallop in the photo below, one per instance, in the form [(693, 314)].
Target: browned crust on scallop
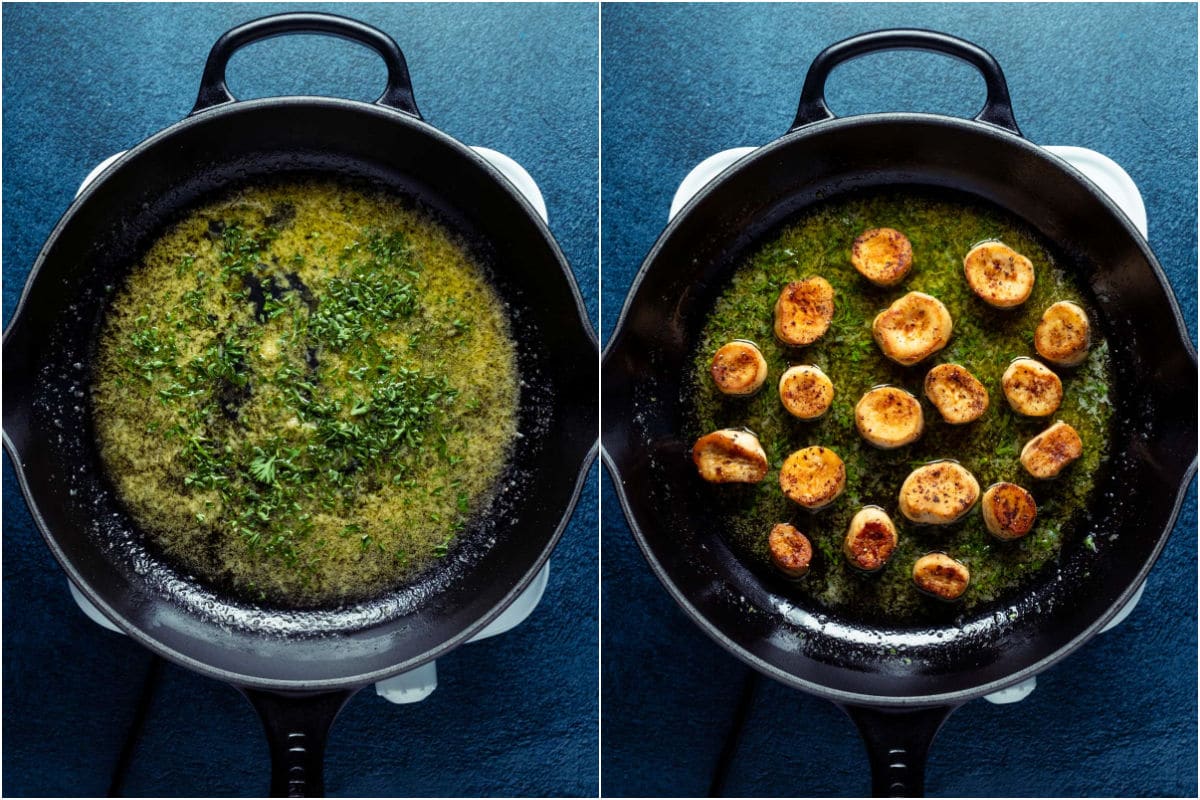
[(813, 476), (870, 540), (957, 394), (791, 551), (999, 275), (805, 391), (1009, 511), (729, 456), (1051, 451), (1032, 388), (913, 328), (939, 493), (888, 417), (941, 576), (738, 368), (1063, 335), (803, 311), (882, 255)]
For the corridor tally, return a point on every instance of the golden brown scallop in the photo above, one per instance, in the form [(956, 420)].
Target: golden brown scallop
[(1049, 453), (940, 576), (803, 311), (888, 417), (805, 391), (1063, 335), (882, 255), (913, 328), (999, 275), (870, 540), (957, 394), (813, 477), (1032, 388), (730, 456), (938, 493), (1009, 511), (739, 368), (791, 551)]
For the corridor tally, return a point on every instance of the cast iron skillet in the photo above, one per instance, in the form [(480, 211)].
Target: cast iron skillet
[(297, 667), (899, 699)]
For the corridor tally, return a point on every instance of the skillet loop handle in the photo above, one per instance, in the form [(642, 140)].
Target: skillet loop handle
[(997, 108), (898, 743), (214, 92), (297, 726)]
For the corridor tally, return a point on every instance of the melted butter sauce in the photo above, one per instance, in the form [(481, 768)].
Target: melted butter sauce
[(304, 392), (985, 341)]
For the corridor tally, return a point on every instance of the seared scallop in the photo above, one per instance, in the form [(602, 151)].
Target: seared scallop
[(1063, 334), (813, 477), (888, 417), (1049, 453), (1001, 276), (1008, 511), (730, 456), (939, 493), (913, 328), (805, 391), (939, 575), (882, 255), (791, 551), (957, 394), (1032, 388), (803, 311), (870, 540), (739, 368)]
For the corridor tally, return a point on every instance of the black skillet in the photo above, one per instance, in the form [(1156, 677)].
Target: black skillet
[(298, 668), (899, 684)]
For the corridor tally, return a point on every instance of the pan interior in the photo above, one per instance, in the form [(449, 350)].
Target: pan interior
[(49, 350), (304, 390), (1152, 445), (942, 226)]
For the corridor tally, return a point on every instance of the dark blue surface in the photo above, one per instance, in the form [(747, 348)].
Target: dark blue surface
[(681, 83), (514, 715)]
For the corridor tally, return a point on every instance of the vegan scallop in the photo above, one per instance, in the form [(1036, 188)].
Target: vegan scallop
[(1063, 335), (805, 391), (870, 540), (1051, 451), (999, 275), (888, 417), (913, 328), (1032, 388), (791, 551), (730, 456), (739, 368), (803, 311), (957, 394), (938, 493), (813, 477), (1009, 511), (940, 576), (882, 255)]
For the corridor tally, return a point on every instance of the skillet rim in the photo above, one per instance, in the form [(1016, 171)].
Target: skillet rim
[(392, 116), (615, 344)]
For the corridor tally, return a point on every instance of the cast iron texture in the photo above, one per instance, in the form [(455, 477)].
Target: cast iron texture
[(49, 344), (645, 397)]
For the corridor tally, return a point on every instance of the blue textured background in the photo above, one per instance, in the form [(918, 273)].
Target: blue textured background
[(680, 83), (86, 711)]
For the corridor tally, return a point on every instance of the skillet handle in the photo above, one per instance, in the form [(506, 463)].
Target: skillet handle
[(296, 726), (214, 92), (897, 743), (997, 108)]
